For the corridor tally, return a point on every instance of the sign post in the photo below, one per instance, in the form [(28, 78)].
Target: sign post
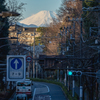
[(16, 67), (28, 58)]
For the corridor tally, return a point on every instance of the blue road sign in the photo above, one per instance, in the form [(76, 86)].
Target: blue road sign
[(16, 63), (16, 67)]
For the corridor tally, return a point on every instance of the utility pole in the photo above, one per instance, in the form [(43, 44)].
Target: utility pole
[(34, 55), (73, 87), (99, 20), (81, 87), (99, 47), (73, 38), (96, 9)]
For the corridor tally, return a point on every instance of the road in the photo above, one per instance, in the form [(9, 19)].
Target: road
[(48, 91), (45, 91)]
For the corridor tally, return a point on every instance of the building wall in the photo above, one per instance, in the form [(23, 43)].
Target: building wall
[(26, 36)]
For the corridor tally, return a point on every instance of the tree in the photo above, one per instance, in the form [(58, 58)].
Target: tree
[(4, 29), (49, 38), (90, 17), (70, 8), (15, 6), (4, 26)]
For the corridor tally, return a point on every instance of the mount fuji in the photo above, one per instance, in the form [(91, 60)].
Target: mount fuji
[(40, 19)]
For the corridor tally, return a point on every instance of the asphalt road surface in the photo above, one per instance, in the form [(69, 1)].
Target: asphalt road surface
[(45, 91)]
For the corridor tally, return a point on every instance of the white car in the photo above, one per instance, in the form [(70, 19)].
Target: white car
[(24, 87), (21, 97)]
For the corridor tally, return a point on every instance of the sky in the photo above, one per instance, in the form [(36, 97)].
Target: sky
[(35, 6)]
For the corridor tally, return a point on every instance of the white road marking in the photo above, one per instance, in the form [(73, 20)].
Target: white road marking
[(34, 94), (48, 90), (47, 87)]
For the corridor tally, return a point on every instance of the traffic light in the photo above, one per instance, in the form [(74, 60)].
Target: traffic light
[(69, 73), (74, 73)]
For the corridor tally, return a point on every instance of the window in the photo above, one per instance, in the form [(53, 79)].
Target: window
[(24, 84), (11, 34), (28, 38), (28, 33), (27, 43)]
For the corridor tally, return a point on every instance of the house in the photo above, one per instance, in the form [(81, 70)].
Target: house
[(25, 34)]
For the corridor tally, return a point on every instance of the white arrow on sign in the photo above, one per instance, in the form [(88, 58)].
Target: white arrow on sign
[(16, 62)]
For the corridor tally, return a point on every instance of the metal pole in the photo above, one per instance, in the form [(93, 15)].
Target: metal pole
[(99, 47), (17, 43), (90, 31), (73, 89), (73, 40), (62, 32), (58, 75), (36, 70), (68, 59), (81, 89), (81, 40), (34, 57), (65, 78), (99, 22), (99, 92), (99, 83), (68, 83)]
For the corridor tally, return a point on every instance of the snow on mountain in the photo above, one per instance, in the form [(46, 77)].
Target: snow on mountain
[(24, 25), (41, 19)]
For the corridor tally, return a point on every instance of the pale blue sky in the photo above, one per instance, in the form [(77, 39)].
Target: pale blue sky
[(34, 6)]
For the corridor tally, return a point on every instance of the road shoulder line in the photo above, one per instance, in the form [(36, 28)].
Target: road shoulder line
[(34, 94)]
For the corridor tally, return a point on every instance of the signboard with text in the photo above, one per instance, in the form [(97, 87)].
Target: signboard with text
[(16, 67)]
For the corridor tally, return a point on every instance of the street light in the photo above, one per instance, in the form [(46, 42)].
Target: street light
[(8, 14)]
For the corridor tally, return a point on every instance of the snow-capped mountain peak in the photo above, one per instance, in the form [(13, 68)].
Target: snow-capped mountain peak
[(40, 19)]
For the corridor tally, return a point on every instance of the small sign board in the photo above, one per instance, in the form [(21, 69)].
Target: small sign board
[(28, 58), (16, 67)]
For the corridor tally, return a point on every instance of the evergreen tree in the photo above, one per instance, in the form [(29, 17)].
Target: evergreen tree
[(4, 25)]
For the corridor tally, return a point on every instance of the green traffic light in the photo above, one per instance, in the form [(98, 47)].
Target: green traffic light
[(69, 72)]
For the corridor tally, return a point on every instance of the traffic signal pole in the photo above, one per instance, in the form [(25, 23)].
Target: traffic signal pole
[(81, 88), (58, 75), (73, 88), (76, 73), (68, 84)]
